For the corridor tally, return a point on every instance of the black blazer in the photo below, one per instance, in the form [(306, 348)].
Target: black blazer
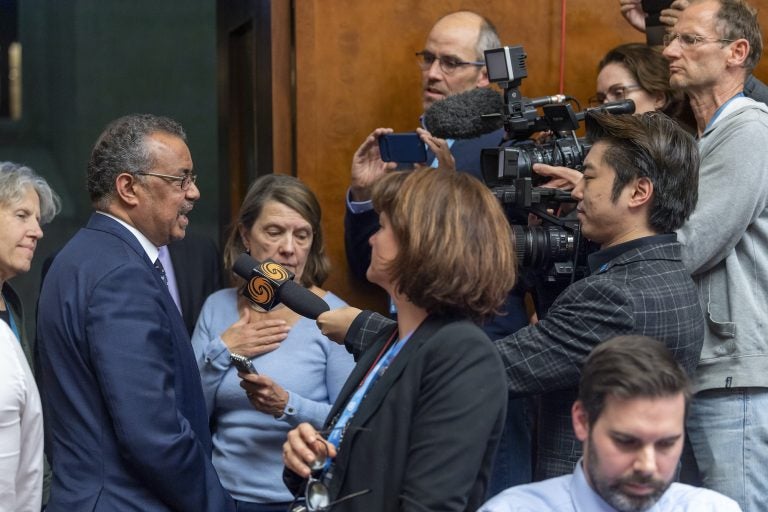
[(432, 423), (198, 268)]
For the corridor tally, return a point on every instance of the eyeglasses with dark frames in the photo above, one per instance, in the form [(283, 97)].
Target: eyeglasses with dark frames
[(447, 63), (614, 93), (317, 497), (687, 41), (185, 180)]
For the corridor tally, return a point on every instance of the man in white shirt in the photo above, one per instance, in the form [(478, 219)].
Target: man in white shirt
[(630, 417)]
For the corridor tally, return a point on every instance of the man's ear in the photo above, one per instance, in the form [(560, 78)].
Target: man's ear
[(739, 53), (642, 192), (580, 420), (126, 185), (482, 79)]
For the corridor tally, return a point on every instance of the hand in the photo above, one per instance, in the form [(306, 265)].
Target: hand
[(633, 11), (561, 178), (305, 448), (335, 323), (251, 338), (440, 148), (669, 16), (367, 166), (264, 394)]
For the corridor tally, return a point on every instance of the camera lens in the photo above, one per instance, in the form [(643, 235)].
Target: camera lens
[(539, 246)]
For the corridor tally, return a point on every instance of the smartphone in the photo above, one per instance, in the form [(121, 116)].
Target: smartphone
[(402, 148), (243, 363)]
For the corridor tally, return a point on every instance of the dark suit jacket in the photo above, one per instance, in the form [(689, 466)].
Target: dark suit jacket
[(198, 269), (126, 422), (434, 419), (755, 89)]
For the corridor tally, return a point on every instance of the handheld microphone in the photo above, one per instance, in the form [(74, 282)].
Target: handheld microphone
[(270, 284)]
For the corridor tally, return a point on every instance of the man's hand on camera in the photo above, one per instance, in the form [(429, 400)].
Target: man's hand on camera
[(367, 166), (561, 178), (440, 148)]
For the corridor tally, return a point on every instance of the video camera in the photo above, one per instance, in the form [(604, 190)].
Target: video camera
[(555, 251)]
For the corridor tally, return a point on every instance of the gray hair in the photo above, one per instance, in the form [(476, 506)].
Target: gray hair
[(14, 181), (488, 38), (120, 148)]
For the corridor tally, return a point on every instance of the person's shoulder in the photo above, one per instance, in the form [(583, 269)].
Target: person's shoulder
[(698, 499), (549, 495), (220, 297)]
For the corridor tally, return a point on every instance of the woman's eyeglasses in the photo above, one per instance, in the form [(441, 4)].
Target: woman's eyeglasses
[(614, 93)]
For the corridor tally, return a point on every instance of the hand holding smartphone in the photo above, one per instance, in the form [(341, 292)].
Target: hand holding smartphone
[(242, 363), (402, 148)]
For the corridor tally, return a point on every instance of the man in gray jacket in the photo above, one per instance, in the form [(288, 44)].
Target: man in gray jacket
[(714, 47)]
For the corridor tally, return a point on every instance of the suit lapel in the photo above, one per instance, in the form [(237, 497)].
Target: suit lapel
[(378, 392), (109, 225)]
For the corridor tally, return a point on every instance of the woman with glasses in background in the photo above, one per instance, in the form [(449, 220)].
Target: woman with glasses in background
[(640, 73), (637, 72), (300, 372), (417, 422)]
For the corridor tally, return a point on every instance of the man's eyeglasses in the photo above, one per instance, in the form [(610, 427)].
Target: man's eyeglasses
[(690, 40), (614, 93), (185, 180), (447, 64)]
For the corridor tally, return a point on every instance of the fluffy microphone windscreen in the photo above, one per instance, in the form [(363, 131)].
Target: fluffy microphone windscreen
[(460, 116)]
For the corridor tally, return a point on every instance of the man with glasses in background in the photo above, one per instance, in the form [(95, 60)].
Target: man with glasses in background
[(451, 62), (713, 48), (126, 421)]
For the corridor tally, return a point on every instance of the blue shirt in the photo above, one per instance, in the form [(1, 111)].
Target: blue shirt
[(572, 493), (247, 444)]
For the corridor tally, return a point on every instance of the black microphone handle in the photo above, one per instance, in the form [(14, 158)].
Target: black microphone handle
[(301, 300), (243, 266)]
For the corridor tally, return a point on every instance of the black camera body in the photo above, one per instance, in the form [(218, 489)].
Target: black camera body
[(554, 253)]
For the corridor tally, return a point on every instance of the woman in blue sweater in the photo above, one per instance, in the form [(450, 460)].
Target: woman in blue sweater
[(300, 371)]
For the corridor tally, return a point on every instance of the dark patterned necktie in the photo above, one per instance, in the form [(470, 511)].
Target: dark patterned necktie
[(159, 268)]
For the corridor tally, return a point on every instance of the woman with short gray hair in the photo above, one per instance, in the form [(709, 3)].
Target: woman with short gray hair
[(26, 202)]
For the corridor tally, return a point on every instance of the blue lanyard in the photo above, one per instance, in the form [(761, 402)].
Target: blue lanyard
[(720, 110), (377, 371)]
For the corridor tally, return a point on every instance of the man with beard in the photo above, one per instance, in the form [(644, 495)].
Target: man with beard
[(126, 421), (629, 415)]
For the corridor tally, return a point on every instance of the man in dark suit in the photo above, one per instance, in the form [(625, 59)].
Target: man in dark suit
[(126, 421), (639, 185)]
